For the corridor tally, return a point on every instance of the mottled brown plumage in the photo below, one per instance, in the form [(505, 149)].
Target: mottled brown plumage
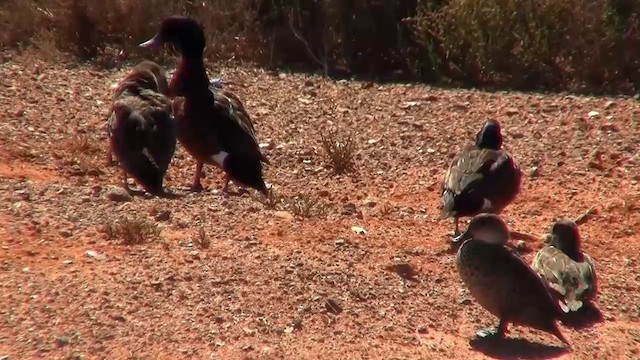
[(213, 125), (500, 280), (142, 132), (568, 271), (481, 178)]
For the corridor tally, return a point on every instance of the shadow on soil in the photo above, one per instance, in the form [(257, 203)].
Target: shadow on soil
[(513, 348), (587, 316)]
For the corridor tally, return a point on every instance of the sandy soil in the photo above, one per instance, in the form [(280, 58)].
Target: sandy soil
[(269, 284)]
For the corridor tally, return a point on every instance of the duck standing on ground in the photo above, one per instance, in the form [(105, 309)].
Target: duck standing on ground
[(142, 131), (500, 280), (569, 272), (482, 178), (213, 126)]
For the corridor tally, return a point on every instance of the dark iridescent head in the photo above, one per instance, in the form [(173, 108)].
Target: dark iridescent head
[(488, 228), (184, 33), (566, 237), (247, 173), (490, 136)]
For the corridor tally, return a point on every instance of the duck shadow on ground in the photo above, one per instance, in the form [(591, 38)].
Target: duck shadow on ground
[(587, 316), (514, 348), (167, 194)]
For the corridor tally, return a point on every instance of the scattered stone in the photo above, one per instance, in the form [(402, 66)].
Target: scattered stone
[(403, 268), (163, 215), (118, 317), (358, 230), (349, 209), (67, 262), (283, 215), (95, 255), (117, 194), (511, 111), (534, 172)]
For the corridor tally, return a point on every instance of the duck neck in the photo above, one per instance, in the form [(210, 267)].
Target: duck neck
[(190, 77)]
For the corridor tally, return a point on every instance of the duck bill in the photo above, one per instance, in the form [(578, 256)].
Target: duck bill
[(152, 43), (461, 238)]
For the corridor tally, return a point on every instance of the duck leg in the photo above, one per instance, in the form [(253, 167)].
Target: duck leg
[(197, 186), (498, 332), (110, 161), (125, 184), (225, 188)]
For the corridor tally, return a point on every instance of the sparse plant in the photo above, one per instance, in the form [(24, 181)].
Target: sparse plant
[(200, 239), (82, 151), (270, 201), (386, 209), (132, 231), (305, 206), (340, 150)]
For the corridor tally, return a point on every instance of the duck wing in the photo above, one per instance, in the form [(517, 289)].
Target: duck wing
[(588, 272), (143, 137), (474, 175), (568, 278), (236, 125)]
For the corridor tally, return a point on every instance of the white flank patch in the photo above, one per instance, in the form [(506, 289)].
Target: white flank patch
[(219, 157)]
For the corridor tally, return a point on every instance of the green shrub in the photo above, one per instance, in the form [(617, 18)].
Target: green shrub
[(527, 44)]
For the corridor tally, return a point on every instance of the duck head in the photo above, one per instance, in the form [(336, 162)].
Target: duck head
[(566, 238), (490, 136), (184, 33), (488, 228), (248, 174)]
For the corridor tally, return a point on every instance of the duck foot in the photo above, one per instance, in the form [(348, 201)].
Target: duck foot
[(196, 187), (495, 332)]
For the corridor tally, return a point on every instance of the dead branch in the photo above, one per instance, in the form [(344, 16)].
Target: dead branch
[(300, 37)]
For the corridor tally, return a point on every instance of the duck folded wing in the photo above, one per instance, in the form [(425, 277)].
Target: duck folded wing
[(562, 275), (228, 103), (473, 177)]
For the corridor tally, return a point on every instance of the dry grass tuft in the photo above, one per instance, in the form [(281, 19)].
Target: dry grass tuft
[(200, 239), (82, 153), (271, 201), (340, 151), (132, 231), (305, 206)]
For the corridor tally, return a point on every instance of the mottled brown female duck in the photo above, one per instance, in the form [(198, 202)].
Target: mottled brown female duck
[(213, 126), (501, 281), (481, 178), (142, 131), (160, 83), (568, 271)]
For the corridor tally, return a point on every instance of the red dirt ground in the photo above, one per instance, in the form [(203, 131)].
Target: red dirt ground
[(260, 289)]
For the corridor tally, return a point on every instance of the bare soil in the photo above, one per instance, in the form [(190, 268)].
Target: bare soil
[(235, 278)]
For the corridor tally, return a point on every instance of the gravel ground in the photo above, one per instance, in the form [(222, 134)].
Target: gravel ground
[(291, 278)]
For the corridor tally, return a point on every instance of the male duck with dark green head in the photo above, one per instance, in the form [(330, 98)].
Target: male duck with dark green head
[(568, 271), (481, 178), (500, 280), (213, 126)]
